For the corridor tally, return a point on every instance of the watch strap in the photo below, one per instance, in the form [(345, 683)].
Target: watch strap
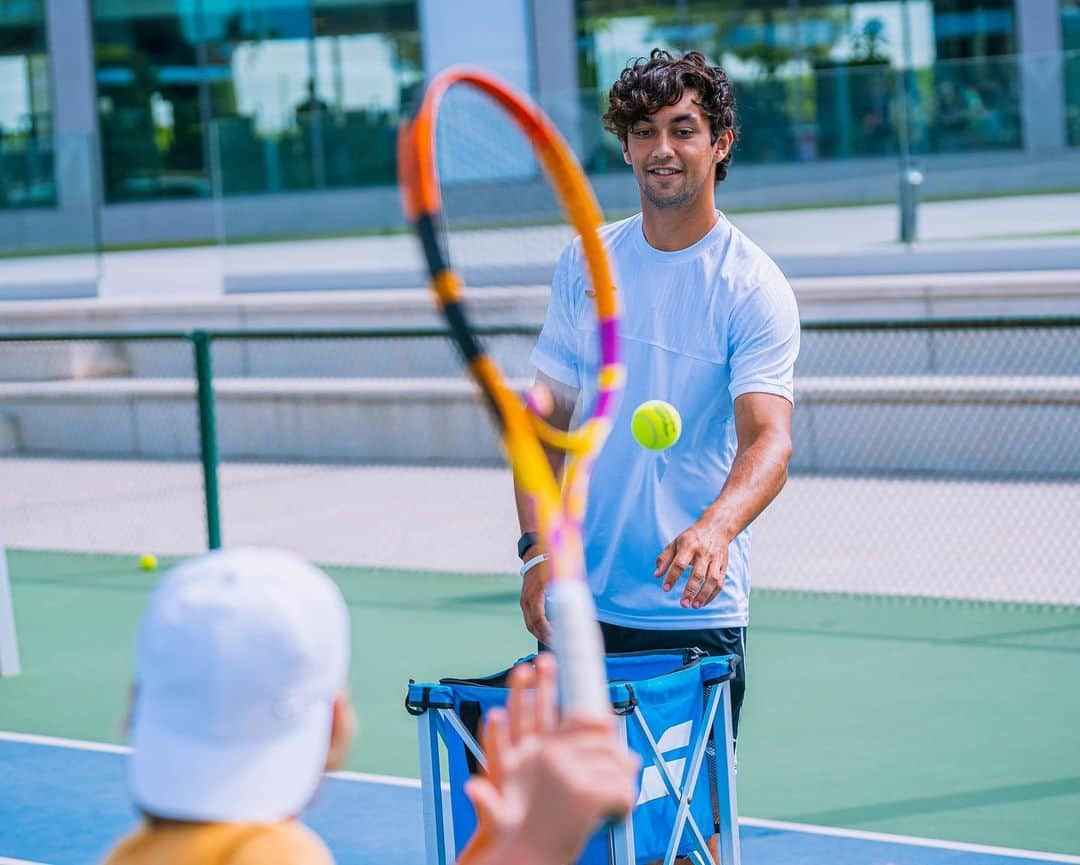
[(527, 540), (538, 559)]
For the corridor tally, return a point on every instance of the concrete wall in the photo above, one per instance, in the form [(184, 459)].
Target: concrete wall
[(970, 427), (1046, 352), (877, 352), (301, 419), (982, 427), (9, 433), (976, 403)]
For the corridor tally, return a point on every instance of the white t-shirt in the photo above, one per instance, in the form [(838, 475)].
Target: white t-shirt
[(700, 327)]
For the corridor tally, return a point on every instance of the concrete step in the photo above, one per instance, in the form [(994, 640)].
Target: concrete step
[(9, 433), (43, 361), (1010, 351), (966, 426), (880, 352), (377, 420), (981, 426), (266, 358)]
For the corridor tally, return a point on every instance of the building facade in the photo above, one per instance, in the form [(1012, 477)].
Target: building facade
[(143, 121)]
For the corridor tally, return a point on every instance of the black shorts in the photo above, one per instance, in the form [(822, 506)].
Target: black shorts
[(713, 641)]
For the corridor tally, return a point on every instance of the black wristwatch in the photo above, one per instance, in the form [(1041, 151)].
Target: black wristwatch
[(527, 540)]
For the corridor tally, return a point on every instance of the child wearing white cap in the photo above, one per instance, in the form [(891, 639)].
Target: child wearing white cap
[(240, 706)]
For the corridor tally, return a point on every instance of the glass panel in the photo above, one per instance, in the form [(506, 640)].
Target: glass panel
[(290, 85), (970, 97), (612, 32), (368, 67), (974, 28), (1070, 33), (761, 47), (27, 177), (261, 57), (971, 105), (149, 84), (827, 79), (291, 103), (52, 251)]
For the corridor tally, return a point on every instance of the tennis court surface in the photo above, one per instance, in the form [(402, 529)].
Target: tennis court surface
[(64, 803), (867, 717)]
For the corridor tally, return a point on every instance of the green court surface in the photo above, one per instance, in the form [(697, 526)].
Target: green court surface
[(951, 720)]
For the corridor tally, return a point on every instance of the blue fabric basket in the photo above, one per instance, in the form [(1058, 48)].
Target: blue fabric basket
[(667, 688)]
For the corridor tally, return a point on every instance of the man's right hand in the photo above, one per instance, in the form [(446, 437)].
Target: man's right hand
[(532, 598)]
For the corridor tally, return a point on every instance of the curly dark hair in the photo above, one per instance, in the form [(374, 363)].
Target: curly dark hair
[(646, 86)]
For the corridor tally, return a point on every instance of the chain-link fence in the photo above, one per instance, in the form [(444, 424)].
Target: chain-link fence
[(932, 458)]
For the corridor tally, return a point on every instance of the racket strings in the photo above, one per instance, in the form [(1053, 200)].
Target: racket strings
[(560, 507)]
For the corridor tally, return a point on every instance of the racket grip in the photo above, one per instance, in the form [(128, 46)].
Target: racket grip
[(579, 649)]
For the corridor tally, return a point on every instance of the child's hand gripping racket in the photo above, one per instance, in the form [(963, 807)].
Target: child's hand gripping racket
[(576, 636)]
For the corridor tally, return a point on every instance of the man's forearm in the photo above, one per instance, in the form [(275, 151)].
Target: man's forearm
[(757, 475), (563, 400), (525, 506)]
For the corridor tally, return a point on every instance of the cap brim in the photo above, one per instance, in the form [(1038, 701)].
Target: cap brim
[(177, 776)]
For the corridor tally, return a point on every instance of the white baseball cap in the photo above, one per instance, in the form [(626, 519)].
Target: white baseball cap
[(239, 657)]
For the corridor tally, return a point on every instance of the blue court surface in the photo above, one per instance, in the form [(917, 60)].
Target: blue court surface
[(65, 803)]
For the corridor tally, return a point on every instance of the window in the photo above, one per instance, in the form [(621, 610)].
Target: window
[(26, 135), (971, 93), (763, 48), (827, 78), (250, 96), (610, 34), (149, 86), (319, 109)]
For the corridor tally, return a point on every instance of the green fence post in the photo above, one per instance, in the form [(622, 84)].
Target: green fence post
[(207, 436)]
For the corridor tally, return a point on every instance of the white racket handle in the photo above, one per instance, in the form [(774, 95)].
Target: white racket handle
[(579, 649)]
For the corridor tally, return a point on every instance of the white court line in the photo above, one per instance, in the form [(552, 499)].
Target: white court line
[(911, 840), (388, 780), (105, 747), (6, 861), (54, 742), (397, 781)]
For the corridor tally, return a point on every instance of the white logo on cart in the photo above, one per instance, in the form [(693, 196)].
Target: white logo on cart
[(674, 739)]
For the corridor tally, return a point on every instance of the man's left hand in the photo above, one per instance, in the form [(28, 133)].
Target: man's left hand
[(703, 547)]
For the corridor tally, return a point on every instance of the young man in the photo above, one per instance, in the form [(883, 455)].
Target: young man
[(711, 326), (240, 706)]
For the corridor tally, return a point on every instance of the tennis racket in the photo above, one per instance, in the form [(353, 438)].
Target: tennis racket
[(560, 511)]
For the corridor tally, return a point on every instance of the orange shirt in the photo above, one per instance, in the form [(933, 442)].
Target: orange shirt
[(173, 843)]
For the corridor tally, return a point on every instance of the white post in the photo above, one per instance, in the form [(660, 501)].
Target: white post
[(622, 833), (723, 737), (9, 645), (431, 791)]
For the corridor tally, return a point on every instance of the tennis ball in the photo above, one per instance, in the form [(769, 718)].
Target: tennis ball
[(656, 425), (148, 562)]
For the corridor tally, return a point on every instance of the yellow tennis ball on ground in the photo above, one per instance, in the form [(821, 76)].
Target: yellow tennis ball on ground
[(656, 425), (148, 562)]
